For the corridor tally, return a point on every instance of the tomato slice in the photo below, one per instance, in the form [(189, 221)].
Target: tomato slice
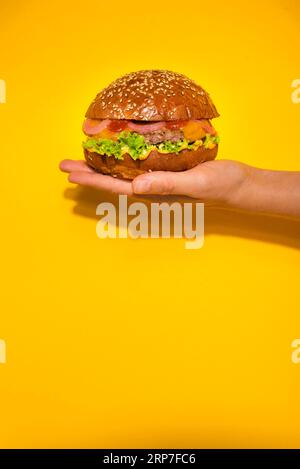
[(117, 125)]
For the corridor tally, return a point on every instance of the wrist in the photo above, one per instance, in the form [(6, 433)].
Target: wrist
[(241, 180)]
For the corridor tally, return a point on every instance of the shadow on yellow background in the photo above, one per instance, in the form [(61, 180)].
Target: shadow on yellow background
[(218, 220)]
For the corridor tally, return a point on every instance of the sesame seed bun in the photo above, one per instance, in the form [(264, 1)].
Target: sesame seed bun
[(129, 168), (152, 95)]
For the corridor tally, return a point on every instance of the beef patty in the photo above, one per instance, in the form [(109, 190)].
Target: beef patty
[(162, 135)]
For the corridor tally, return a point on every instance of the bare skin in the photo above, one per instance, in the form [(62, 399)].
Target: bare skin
[(226, 182)]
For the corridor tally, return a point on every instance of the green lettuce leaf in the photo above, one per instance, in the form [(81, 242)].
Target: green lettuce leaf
[(135, 145), (211, 139), (134, 142), (104, 147), (172, 147)]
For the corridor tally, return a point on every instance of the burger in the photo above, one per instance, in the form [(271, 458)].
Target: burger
[(151, 120)]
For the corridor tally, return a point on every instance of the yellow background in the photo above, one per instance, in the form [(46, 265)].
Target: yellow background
[(142, 343)]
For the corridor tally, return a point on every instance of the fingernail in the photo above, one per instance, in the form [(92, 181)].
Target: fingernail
[(142, 187)]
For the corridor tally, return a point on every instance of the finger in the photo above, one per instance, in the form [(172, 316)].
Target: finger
[(67, 166), (99, 181), (165, 183)]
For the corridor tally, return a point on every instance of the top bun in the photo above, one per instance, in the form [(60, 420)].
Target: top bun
[(152, 95)]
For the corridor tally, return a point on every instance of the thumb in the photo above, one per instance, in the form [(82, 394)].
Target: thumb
[(162, 183)]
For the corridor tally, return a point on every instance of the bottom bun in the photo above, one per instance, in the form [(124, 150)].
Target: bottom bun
[(129, 168)]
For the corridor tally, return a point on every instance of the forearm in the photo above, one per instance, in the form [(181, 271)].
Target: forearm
[(274, 192)]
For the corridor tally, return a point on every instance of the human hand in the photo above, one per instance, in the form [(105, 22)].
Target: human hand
[(212, 181)]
